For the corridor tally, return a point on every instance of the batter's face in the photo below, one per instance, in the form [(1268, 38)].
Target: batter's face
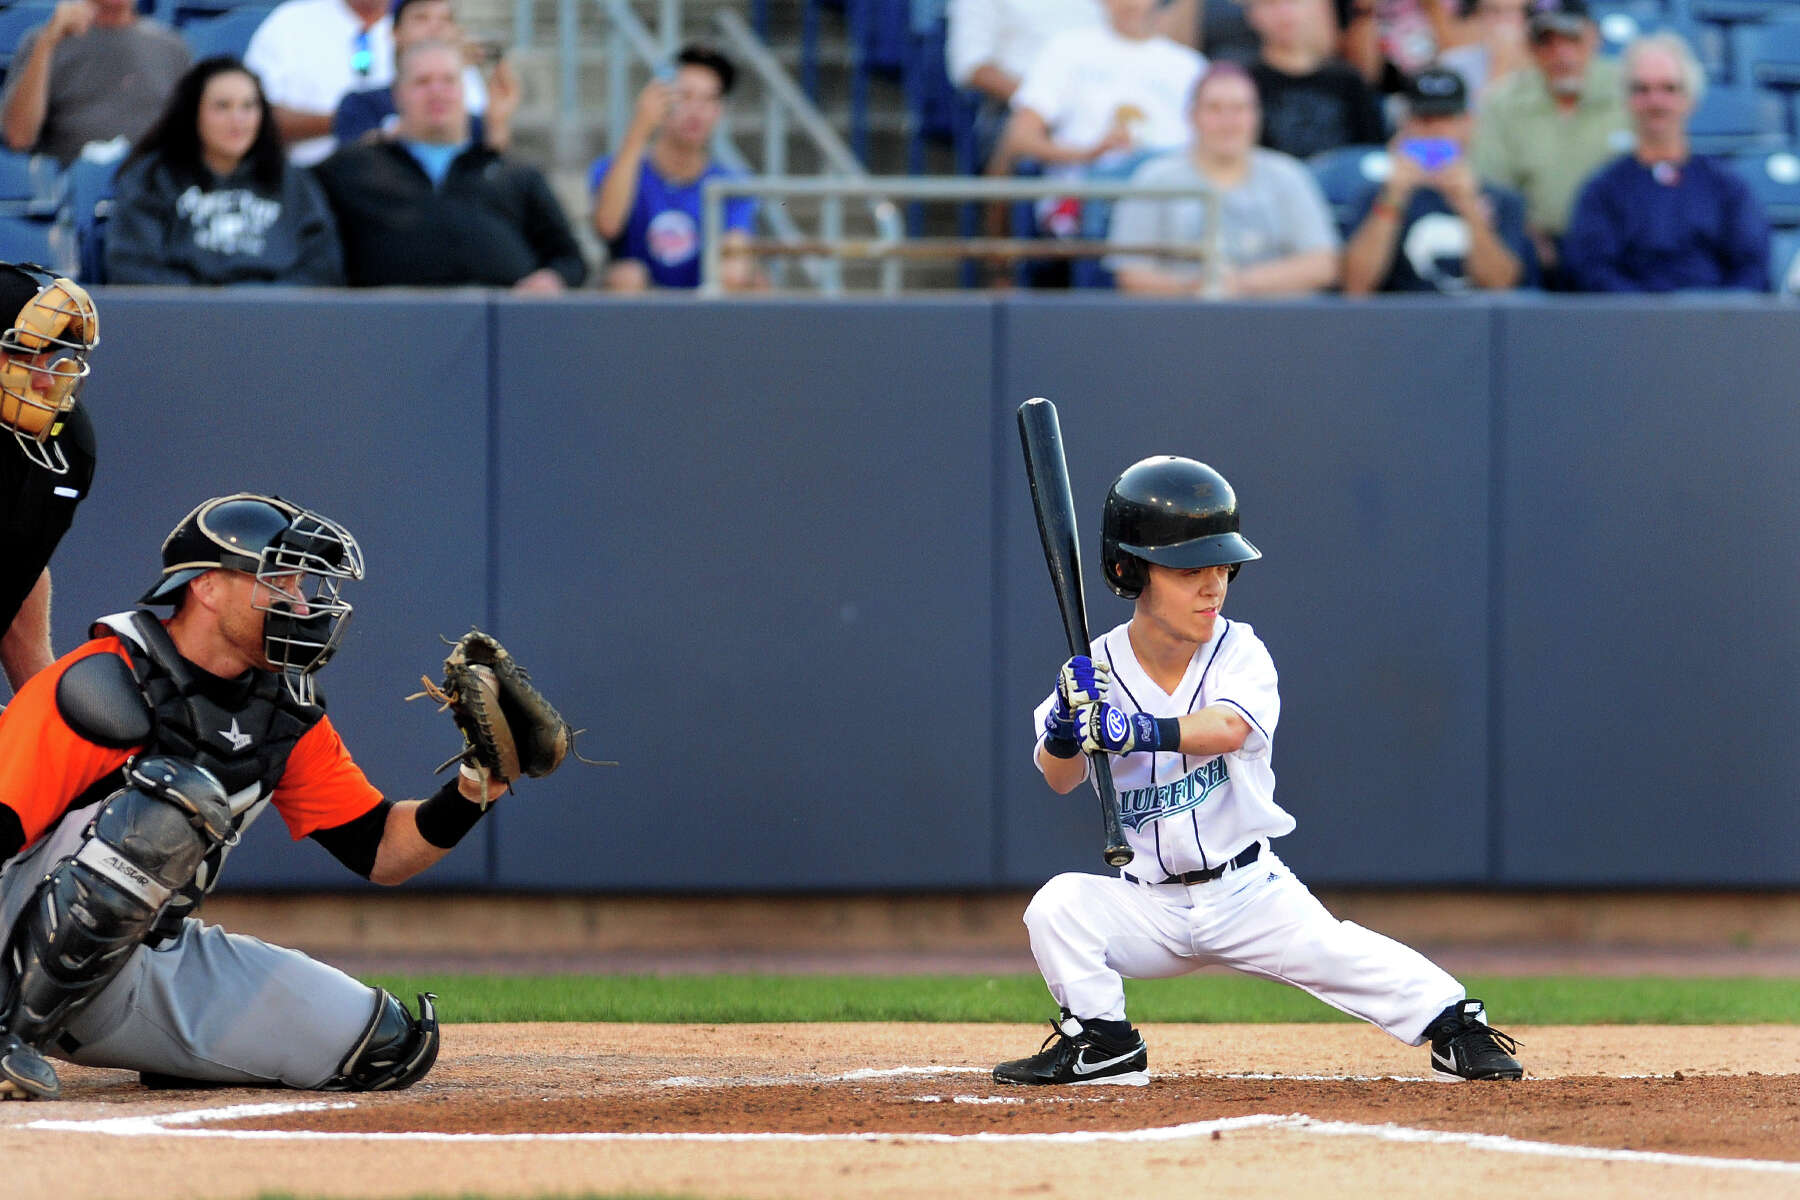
[(1183, 602)]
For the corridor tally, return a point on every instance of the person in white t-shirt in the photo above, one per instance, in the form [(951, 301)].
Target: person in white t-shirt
[(1104, 97), (309, 55), (1184, 704), (991, 44)]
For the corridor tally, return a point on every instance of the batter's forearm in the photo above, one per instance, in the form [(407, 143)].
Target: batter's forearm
[(1063, 775)]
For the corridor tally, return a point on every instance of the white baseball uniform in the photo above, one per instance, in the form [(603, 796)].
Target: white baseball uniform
[(1184, 813)]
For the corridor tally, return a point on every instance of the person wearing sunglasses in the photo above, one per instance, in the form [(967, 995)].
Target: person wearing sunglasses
[(93, 72), (1663, 219), (310, 54), (1545, 129)]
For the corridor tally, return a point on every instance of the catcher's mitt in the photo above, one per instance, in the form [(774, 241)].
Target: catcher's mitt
[(508, 728)]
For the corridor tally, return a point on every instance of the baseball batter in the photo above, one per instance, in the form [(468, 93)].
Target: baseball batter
[(48, 462), (128, 770), (1187, 700)]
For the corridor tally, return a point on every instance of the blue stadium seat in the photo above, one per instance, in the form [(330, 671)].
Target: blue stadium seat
[(31, 239), (1784, 262), (1775, 181), (228, 34), (1768, 55), (16, 21), (30, 185), (1736, 120), (1620, 21), (90, 193), (1343, 175), (185, 12)]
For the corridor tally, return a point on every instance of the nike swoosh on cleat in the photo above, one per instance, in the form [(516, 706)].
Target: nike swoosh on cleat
[(1083, 1067)]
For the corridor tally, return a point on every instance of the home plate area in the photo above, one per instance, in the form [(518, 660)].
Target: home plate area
[(1754, 1118)]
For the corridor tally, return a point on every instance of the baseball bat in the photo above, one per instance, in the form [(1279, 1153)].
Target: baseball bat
[(1048, 472)]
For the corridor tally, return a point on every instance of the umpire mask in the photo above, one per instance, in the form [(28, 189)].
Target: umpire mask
[(300, 560), (52, 326)]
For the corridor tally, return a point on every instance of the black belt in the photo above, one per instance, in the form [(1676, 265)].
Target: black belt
[(1243, 860)]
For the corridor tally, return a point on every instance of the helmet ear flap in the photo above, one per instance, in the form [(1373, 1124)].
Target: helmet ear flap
[(1126, 574)]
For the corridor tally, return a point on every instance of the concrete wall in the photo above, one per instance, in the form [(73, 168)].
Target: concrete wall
[(1529, 579)]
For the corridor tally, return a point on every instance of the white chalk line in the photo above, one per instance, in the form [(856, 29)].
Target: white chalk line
[(869, 1073), (192, 1124)]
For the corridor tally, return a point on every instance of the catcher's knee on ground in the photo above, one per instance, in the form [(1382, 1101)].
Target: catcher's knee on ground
[(394, 1052), (94, 909)]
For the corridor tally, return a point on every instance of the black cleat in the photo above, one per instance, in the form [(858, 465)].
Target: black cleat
[(24, 1073), (1074, 1055), (1464, 1047)]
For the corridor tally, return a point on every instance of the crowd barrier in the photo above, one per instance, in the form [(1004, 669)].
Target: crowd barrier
[(1529, 573)]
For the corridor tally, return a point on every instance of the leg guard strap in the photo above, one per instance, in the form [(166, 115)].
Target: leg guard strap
[(394, 1052)]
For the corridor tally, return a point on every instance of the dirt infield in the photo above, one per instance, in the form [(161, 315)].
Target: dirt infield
[(908, 1110)]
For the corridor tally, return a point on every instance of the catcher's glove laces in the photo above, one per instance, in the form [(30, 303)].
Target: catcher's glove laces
[(509, 729)]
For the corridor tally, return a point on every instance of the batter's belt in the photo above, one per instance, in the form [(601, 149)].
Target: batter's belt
[(1243, 860)]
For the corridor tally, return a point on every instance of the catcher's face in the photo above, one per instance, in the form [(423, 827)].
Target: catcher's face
[(239, 616)]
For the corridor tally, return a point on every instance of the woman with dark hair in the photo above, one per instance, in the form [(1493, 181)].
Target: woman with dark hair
[(207, 195)]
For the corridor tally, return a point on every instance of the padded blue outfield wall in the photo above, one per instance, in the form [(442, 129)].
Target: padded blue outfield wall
[(1530, 574)]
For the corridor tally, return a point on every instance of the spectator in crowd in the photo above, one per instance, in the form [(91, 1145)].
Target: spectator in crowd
[(1387, 42), (1433, 225), (1311, 102), (1275, 236), (990, 44), (491, 101), (1103, 99), (1546, 128), (207, 195), (1498, 49), (646, 198), (428, 206), (93, 72), (310, 54), (1661, 218)]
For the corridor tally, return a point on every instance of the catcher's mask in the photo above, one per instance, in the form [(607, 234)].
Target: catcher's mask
[(300, 560), (1172, 511), (43, 356)]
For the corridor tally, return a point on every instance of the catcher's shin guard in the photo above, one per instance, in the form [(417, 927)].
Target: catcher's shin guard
[(393, 1052), (93, 910)]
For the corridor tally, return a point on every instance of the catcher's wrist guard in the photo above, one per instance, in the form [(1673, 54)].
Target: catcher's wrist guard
[(447, 816)]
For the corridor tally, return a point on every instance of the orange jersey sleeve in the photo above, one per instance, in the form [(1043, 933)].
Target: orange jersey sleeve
[(322, 786), (43, 763)]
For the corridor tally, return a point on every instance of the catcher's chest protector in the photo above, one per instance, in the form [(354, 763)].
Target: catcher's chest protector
[(244, 742)]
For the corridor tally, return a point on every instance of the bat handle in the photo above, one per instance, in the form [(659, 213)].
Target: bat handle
[(1117, 853)]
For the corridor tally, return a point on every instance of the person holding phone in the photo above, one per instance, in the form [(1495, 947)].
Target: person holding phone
[(1433, 225), (490, 86)]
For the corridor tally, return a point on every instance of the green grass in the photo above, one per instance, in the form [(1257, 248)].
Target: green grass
[(1207, 997)]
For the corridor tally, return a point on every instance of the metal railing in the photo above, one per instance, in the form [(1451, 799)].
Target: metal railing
[(891, 246), (786, 110)]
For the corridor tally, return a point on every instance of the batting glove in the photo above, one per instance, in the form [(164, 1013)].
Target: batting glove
[(1082, 682), (1115, 731), (1062, 735)]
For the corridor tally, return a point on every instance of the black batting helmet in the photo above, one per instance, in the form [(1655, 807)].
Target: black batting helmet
[(1171, 511)]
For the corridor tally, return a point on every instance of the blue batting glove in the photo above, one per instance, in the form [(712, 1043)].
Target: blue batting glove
[(1062, 737), (1115, 731), (1082, 682)]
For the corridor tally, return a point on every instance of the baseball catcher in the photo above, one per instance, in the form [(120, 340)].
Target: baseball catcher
[(1185, 701), (131, 766)]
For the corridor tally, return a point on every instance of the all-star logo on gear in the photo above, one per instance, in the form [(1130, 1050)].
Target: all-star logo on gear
[(235, 736)]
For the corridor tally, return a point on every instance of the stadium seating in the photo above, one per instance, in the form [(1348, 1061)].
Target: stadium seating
[(227, 34), (1784, 262), (90, 196), (16, 21), (1344, 173), (1775, 181), (31, 239), (1733, 120), (30, 185), (185, 12), (1768, 54)]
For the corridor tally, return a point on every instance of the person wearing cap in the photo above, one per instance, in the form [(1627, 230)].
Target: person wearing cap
[(491, 101), (1545, 129), (1276, 236), (1662, 218), (47, 464), (132, 765), (1433, 225)]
